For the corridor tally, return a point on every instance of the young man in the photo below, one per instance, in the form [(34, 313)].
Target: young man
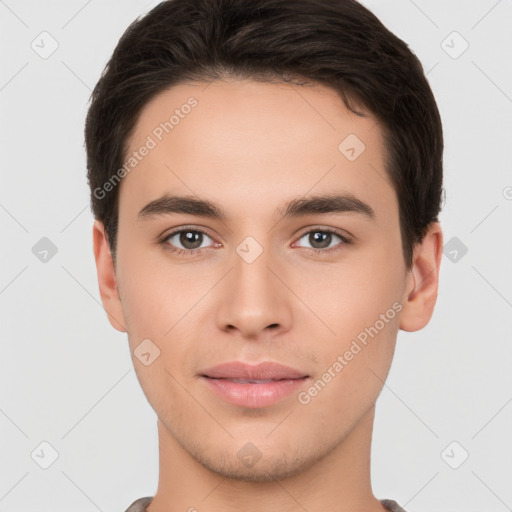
[(266, 178)]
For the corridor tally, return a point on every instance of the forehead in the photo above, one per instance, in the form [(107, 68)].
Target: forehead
[(245, 142)]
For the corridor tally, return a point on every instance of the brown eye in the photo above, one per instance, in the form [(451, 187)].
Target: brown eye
[(322, 240), (186, 239), (190, 239)]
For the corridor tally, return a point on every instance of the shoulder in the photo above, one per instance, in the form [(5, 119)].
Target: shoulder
[(140, 504), (392, 506)]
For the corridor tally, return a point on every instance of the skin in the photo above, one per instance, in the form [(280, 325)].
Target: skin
[(251, 147)]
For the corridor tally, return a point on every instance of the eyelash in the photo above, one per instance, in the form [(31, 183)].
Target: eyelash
[(192, 252)]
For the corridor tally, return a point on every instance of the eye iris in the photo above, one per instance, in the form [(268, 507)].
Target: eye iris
[(321, 237), (191, 237)]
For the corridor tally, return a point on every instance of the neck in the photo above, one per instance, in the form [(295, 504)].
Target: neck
[(339, 482)]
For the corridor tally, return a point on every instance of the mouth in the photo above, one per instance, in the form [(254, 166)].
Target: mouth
[(249, 381), (253, 386), (265, 371)]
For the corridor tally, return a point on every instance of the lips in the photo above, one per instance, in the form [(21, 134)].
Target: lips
[(243, 373), (253, 386)]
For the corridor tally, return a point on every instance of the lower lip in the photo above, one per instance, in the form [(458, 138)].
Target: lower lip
[(254, 395)]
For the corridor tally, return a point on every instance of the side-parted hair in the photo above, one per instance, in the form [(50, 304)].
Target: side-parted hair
[(336, 43)]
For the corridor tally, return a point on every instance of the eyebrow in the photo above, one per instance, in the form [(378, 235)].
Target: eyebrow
[(319, 204)]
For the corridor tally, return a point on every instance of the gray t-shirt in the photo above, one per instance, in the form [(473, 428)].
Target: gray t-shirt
[(141, 504)]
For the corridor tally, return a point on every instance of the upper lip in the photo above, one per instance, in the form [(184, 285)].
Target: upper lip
[(263, 371)]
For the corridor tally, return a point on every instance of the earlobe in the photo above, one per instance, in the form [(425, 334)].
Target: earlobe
[(107, 280), (422, 281)]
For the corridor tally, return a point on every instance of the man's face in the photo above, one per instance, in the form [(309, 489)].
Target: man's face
[(260, 285)]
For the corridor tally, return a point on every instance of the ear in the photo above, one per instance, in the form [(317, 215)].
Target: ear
[(107, 280), (422, 281)]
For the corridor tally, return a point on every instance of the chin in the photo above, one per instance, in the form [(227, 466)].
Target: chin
[(251, 464)]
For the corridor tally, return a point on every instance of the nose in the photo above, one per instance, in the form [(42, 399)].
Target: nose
[(254, 301)]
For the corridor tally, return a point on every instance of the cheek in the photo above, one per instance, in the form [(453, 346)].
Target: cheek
[(352, 367), (156, 295), (352, 294), (162, 303), (360, 303), (157, 305)]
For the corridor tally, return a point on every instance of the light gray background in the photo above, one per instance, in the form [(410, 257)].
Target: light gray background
[(66, 374)]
